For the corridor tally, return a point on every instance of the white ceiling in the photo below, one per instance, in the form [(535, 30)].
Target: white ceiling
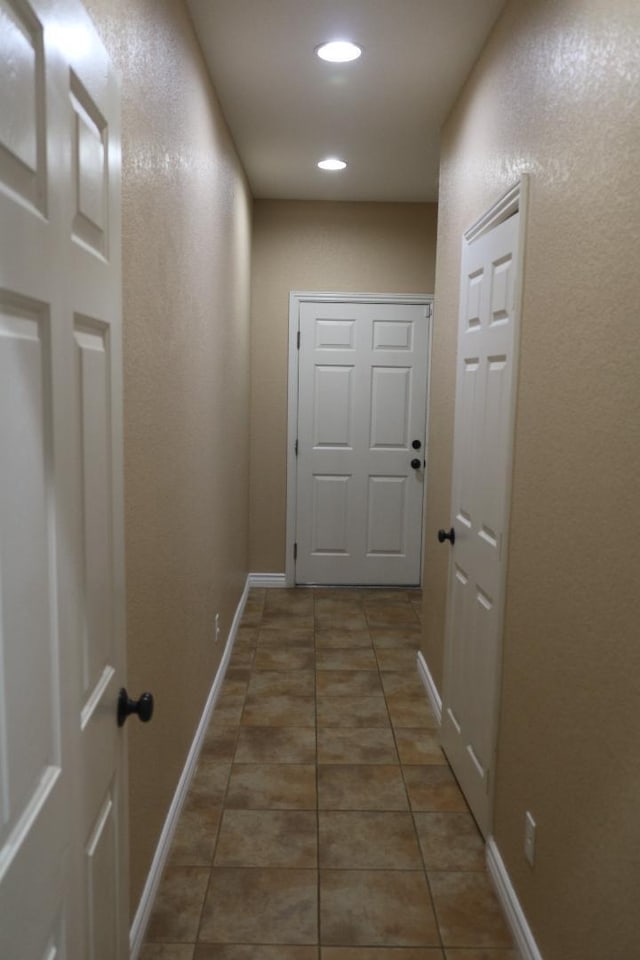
[(382, 113)]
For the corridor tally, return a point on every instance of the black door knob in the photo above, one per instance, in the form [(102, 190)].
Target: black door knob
[(143, 707), (416, 464), (447, 535), (416, 444)]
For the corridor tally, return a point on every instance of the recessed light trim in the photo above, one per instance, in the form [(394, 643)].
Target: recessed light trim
[(332, 163), (339, 51)]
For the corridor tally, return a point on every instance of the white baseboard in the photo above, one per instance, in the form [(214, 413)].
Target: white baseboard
[(143, 913), (429, 685), (267, 580), (509, 902)]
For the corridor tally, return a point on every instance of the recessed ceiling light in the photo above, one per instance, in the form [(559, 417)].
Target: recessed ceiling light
[(332, 163), (339, 51)]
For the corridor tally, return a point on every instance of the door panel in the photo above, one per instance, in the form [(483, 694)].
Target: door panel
[(390, 405), (333, 407), (330, 513), (386, 516), (480, 485), (63, 867), (361, 402)]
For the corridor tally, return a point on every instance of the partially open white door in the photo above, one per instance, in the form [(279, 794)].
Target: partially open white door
[(480, 508), (362, 388), (63, 863)]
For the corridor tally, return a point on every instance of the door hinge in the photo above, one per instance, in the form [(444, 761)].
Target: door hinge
[(298, 339), (296, 448), (428, 311), (295, 551)]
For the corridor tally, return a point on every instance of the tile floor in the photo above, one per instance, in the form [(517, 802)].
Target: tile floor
[(323, 822)]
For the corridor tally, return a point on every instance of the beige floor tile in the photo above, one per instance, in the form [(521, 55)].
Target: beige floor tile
[(267, 838), (235, 688), (279, 710), (384, 614), (239, 674), (287, 786), (338, 593), (482, 955), (351, 840), (251, 614), (291, 602), (195, 837), (219, 742), (347, 622), (357, 658), (380, 953), (253, 608), (276, 745), (209, 783), (287, 658), (261, 905), (419, 746), (450, 841), (335, 608), (352, 712), (356, 745), (166, 951), (280, 620), (176, 911), (397, 658), (392, 595), (411, 711), (433, 787), (376, 908), (467, 910), (239, 951), (286, 638), (246, 638), (395, 683), (408, 636), (348, 683), (228, 710), (328, 638), (361, 787), (297, 683), (242, 658)]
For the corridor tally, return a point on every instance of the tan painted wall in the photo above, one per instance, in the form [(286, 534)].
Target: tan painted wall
[(186, 255), (350, 247), (557, 93)]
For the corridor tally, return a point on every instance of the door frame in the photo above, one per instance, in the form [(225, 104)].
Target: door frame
[(514, 200), (296, 299)]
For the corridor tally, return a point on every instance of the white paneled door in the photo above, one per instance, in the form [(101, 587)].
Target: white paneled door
[(63, 867), (480, 509), (362, 388)]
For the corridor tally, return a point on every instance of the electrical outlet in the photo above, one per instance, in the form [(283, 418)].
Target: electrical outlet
[(529, 838), (217, 628)]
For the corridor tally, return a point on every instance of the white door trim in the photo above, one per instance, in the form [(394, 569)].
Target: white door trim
[(296, 298), (514, 200)]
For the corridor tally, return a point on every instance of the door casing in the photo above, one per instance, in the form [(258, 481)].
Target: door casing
[(296, 298)]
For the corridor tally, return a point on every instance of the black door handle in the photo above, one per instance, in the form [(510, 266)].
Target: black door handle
[(416, 444), (416, 464), (447, 535), (143, 707)]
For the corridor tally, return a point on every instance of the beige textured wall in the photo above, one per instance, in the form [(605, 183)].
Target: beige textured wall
[(186, 256), (557, 93), (297, 245)]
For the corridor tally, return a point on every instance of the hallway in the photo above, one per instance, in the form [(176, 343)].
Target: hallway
[(323, 822)]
